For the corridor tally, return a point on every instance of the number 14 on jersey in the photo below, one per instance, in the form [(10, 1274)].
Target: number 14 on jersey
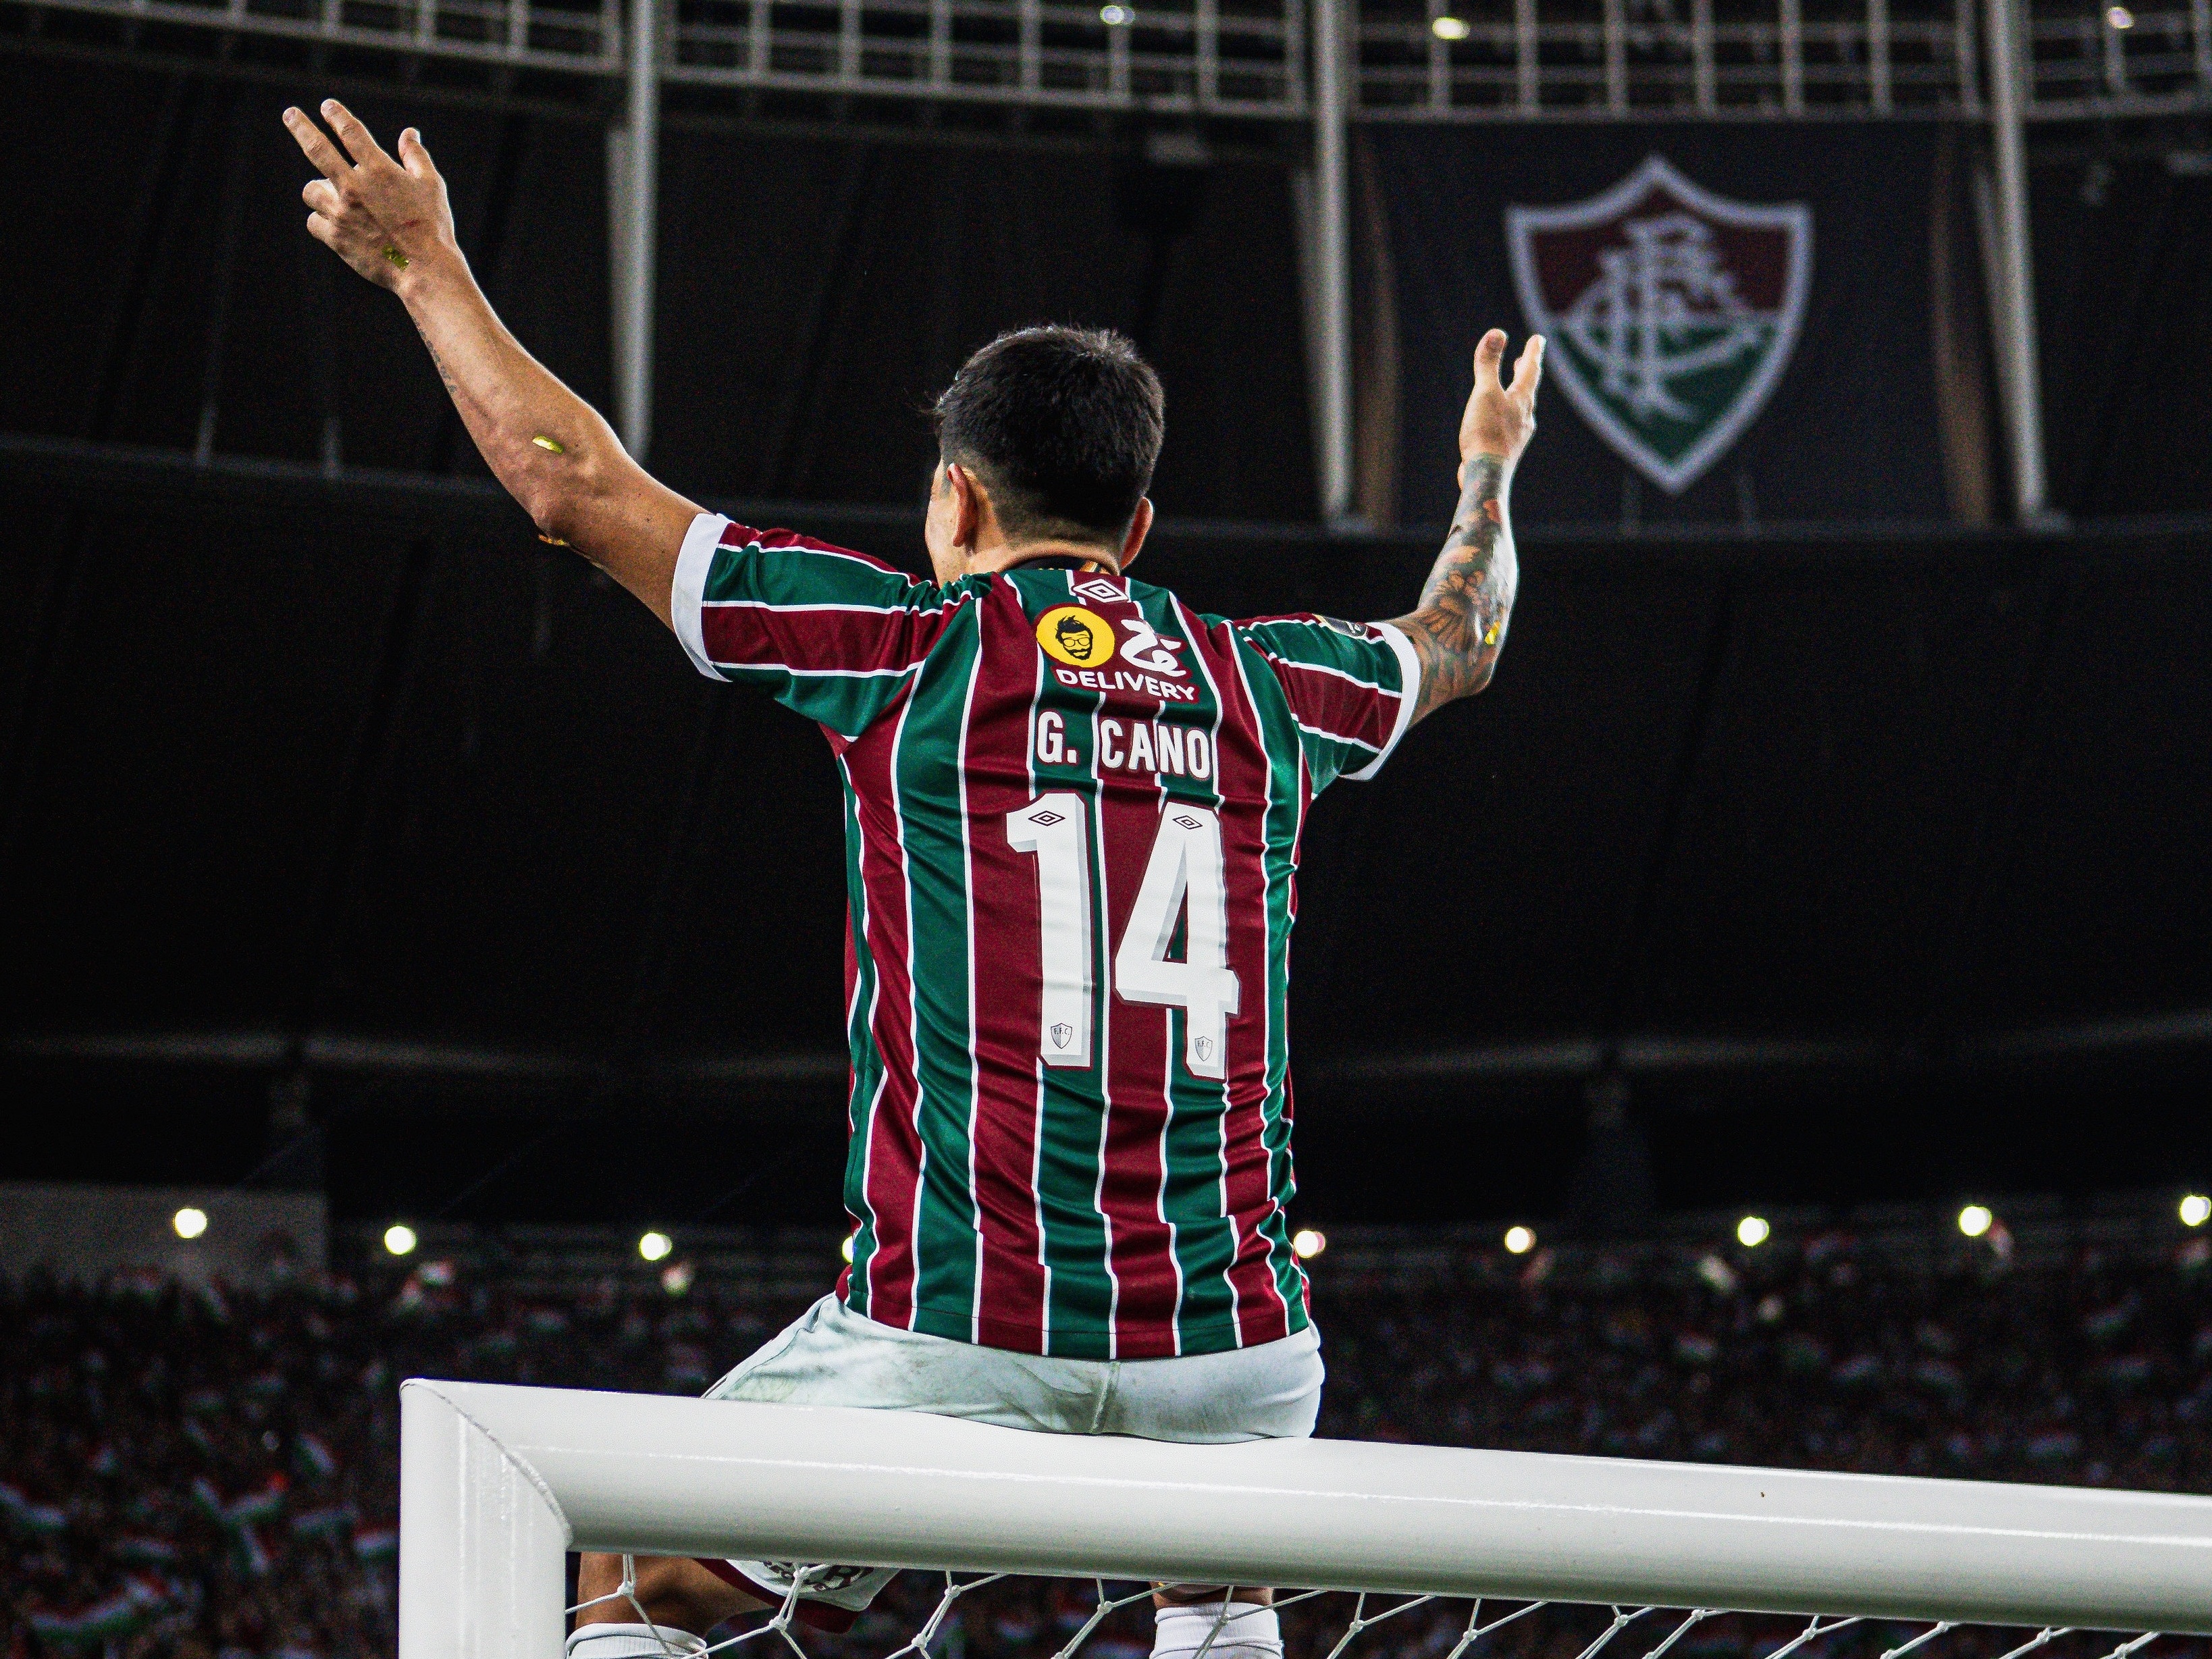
[(1182, 883)]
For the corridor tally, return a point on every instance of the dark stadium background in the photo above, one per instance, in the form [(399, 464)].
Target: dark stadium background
[(1833, 848), (355, 841)]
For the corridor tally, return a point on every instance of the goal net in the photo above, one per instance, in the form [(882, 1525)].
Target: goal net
[(1432, 1552)]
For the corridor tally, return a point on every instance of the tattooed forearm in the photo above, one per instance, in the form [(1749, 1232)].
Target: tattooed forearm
[(1460, 628)]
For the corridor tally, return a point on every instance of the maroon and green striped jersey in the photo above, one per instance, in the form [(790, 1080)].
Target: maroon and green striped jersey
[(1072, 810)]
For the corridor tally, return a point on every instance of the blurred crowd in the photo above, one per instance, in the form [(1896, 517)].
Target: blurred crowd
[(213, 1474)]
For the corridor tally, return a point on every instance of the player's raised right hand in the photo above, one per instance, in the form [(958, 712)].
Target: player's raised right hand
[(386, 219)]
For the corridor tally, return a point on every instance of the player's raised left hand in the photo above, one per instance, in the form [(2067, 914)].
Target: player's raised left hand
[(386, 219), (1501, 418)]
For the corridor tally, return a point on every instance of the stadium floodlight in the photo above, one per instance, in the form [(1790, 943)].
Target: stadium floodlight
[(656, 1247), (2195, 1210), (1975, 1220), (189, 1223), (845, 1249), (1117, 17), (1753, 1232), (1520, 1240), (1308, 1243), (676, 1278), (497, 1483), (1447, 28), (400, 1239), (2119, 17)]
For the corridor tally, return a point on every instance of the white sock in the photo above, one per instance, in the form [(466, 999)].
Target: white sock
[(1249, 1631), (636, 1642)]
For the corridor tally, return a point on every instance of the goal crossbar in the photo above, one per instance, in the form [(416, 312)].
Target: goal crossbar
[(497, 1482)]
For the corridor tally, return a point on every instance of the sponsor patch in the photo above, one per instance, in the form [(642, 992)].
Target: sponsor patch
[(1078, 637)]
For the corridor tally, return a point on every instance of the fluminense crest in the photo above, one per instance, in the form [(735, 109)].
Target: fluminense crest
[(1671, 312)]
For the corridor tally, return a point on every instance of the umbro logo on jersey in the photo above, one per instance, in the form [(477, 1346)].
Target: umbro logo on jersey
[(1141, 645), (1086, 643), (1189, 823), (1047, 819)]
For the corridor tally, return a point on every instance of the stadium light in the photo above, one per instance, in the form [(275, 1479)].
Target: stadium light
[(656, 1247), (1520, 1240), (189, 1222), (1753, 1232), (1117, 17), (846, 1249), (1450, 28), (400, 1239), (1308, 1243), (676, 1278), (2195, 1210), (1975, 1220), (2119, 17)]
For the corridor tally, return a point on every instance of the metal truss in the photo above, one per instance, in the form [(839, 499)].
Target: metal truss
[(1415, 60), (1638, 59), (1196, 57), (1211, 57)]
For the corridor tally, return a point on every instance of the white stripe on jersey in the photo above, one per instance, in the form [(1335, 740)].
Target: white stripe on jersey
[(819, 674), (1335, 736), (975, 1067), (1037, 1132), (861, 610)]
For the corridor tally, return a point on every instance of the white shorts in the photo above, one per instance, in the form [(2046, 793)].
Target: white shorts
[(831, 1356)]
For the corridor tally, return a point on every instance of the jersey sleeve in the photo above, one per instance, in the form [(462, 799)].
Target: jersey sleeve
[(834, 635), (1350, 687)]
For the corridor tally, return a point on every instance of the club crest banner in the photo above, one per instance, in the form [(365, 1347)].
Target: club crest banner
[(1670, 310), (1738, 318)]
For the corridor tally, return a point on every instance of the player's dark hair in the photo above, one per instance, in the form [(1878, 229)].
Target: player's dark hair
[(1062, 426)]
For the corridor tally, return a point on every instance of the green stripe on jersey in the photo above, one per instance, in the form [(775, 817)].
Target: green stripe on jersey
[(846, 703), (1280, 733), (1320, 645), (868, 1064), (796, 575)]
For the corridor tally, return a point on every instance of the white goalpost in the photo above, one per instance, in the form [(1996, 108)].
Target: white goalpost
[(497, 1483)]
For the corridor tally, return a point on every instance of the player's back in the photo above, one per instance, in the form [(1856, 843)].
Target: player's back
[(1073, 814)]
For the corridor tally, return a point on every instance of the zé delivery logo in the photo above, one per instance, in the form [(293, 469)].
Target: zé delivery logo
[(1086, 645), (1079, 638)]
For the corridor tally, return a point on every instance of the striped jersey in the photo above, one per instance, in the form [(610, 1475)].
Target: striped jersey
[(1072, 810)]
